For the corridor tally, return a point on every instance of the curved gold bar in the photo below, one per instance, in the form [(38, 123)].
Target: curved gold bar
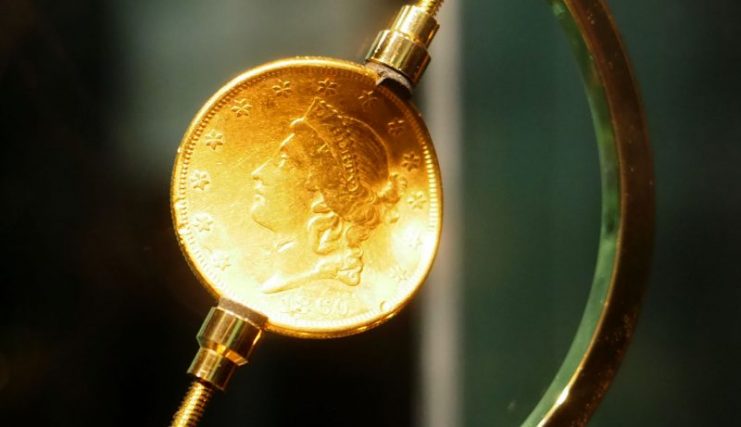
[(627, 218)]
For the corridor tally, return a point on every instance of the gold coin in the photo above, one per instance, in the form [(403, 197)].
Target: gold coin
[(308, 194)]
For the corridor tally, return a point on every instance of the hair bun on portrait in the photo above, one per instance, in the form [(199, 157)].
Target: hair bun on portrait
[(390, 196)]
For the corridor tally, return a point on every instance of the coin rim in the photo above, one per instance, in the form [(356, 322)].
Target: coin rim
[(433, 178)]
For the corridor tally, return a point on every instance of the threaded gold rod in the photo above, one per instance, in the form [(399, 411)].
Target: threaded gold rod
[(430, 6), (193, 406)]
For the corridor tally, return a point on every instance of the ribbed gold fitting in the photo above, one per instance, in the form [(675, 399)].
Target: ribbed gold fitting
[(227, 340), (403, 47), (193, 406)]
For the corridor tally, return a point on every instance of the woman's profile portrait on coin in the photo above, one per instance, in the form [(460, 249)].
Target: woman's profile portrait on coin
[(322, 193)]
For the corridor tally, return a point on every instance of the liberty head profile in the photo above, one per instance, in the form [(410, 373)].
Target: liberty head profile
[(322, 193)]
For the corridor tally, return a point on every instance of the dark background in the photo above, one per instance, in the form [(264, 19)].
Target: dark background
[(99, 309)]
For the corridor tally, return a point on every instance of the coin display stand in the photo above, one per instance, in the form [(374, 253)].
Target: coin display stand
[(306, 196)]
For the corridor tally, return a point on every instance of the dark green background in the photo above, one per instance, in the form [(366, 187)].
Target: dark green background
[(100, 310), (531, 183)]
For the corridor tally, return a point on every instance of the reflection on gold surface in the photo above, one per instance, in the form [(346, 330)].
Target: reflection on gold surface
[(310, 195), (335, 168)]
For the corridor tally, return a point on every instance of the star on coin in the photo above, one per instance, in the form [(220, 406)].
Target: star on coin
[(283, 88), (416, 242), (417, 200), (399, 274), (410, 161), (220, 261), (203, 222), (200, 180), (396, 127), (214, 139), (327, 87), (241, 107), (368, 99)]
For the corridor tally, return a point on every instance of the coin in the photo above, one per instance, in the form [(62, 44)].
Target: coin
[(306, 193)]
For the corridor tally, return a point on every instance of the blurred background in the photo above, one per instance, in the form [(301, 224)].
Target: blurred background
[(99, 310)]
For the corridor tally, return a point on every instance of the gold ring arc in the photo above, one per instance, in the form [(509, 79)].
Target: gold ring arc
[(626, 240)]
